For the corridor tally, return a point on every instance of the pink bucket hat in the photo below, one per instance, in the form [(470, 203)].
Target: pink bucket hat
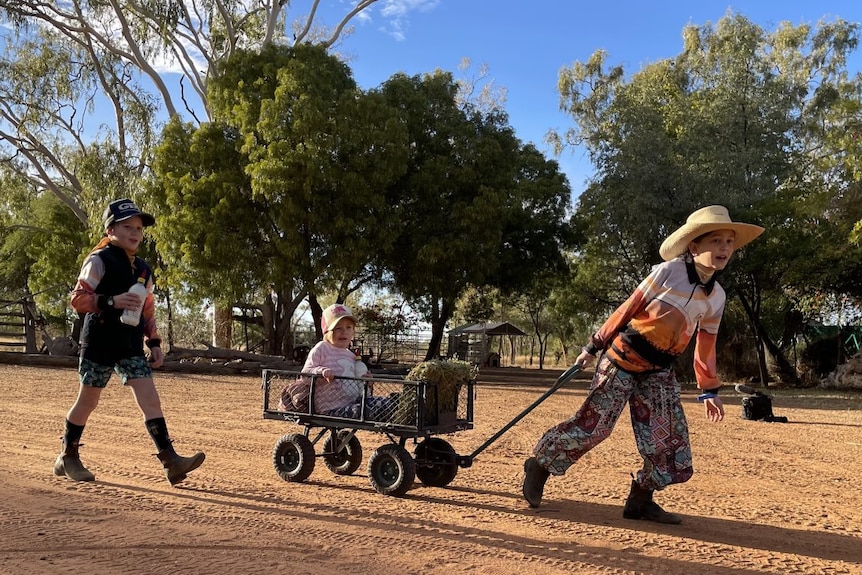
[(334, 314)]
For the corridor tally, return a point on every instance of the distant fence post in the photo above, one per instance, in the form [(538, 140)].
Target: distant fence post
[(30, 325)]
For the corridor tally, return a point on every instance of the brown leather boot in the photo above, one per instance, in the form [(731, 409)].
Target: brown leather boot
[(68, 463), (535, 477), (640, 505), (176, 466)]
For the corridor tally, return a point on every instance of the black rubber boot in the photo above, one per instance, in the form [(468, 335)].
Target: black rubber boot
[(535, 477), (640, 505), (68, 463), (176, 466)]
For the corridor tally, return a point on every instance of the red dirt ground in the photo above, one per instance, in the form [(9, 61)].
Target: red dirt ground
[(765, 498)]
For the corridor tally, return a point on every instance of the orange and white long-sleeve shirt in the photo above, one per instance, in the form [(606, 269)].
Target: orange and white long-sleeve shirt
[(656, 323)]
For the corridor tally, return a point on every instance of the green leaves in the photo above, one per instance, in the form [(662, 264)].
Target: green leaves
[(476, 207), (763, 123)]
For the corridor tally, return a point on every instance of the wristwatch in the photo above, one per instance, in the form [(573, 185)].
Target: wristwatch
[(110, 301)]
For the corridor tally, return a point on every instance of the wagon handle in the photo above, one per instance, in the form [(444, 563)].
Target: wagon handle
[(467, 460)]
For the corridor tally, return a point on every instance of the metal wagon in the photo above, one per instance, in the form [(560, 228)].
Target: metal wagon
[(397, 408)]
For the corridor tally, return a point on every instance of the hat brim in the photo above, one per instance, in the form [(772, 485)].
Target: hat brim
[(337, 321), (146, 219), (678, 241)]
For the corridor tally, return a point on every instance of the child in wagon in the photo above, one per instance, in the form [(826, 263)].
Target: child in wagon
[(336, 391)]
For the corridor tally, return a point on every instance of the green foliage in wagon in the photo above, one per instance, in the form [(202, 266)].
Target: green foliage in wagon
[(448, 377)]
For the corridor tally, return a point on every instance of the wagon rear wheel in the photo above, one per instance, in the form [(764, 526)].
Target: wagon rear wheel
[(391, 470), (348, 459), (293, 457), (435, 462)]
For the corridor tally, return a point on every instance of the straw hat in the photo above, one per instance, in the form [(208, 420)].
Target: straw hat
[(704, 221)]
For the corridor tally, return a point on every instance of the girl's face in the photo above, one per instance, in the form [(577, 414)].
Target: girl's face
[(342, 334), (713, 250), (127, 234)]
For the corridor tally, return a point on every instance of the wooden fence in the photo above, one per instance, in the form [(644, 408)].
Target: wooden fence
[(19, 324)]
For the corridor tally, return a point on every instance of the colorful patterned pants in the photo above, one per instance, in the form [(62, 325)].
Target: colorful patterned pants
[(658, 422)]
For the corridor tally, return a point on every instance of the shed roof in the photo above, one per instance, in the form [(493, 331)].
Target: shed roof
[(490, 328)]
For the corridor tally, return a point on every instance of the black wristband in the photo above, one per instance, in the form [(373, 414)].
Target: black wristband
[(102, 301), (154, 342), (591, 348)]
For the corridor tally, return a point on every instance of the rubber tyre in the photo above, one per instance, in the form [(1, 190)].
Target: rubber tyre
[(391, 470), (293, 457), (346, 461), (435, 462)]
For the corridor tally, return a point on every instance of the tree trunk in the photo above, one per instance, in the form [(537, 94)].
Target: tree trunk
[(268, 313), (223, 326), (786, 372), (316, 315), (439, 317), (434, 343), (542, 349), (170, 306)]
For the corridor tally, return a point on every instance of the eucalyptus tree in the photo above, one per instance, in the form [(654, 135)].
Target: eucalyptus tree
[(16, 233), (737, 119), (534, 302), (472, 201), (92, 82), (89, 70), (282, 196), (39, 244)]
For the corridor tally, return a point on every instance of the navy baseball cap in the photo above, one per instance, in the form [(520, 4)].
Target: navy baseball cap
[(120, 210)]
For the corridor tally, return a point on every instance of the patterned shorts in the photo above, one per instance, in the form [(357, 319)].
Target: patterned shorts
[(94, 374)]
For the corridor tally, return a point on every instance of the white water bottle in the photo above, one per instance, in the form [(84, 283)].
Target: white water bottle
[(132, 317)]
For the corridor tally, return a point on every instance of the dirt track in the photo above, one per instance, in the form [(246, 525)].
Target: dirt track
[(765, 498)]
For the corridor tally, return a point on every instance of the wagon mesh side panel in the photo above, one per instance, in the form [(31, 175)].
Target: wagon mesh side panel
[(385, 401), (275, 390)]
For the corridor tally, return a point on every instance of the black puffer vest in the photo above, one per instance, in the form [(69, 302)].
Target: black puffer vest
[(104, 338)]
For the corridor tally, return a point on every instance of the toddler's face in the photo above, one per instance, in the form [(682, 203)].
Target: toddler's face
[(342, 334)]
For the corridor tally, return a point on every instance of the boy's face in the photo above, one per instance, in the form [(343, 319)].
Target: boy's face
[(127, 234), (713, 251), (342, 334)]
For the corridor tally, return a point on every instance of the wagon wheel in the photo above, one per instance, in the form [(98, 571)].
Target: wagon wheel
[(345, 461), (293, 457), (435, 462), (391, 470)]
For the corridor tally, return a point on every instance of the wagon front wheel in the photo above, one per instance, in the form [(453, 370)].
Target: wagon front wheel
[(293, 457), (435, 462), (391, 470), (347, 460)]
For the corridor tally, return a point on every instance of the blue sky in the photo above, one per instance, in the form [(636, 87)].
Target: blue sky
[(524, 44)]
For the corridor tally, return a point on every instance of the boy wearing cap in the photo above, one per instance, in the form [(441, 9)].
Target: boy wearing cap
[(678, 300), (108, 345), (332, 359)]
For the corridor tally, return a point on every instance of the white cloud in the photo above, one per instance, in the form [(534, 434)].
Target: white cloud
[(398, 9), (396, 14)]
